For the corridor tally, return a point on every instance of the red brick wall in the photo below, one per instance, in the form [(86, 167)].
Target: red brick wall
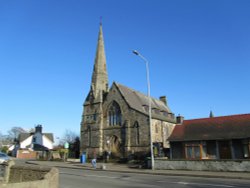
[(26, 154)]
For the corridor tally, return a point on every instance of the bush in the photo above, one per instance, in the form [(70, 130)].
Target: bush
[(4, 149)]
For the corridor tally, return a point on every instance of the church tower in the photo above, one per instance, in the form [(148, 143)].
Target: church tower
[(92, 118), (99, 83)]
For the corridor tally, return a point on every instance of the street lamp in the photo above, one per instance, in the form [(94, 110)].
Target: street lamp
[(109, 152), (149, 107)]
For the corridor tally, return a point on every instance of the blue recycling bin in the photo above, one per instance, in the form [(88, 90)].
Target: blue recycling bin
[(83, 158)]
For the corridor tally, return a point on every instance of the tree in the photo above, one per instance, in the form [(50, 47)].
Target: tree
[(69, 136), (75, 148), (74, 143), (14, 132)]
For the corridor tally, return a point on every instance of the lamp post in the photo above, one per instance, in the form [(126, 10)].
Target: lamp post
[(149, 107), (108, 154)]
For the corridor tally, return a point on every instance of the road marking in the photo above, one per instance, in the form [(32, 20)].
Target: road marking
[(200, 184), (111, 177), (205, 184)]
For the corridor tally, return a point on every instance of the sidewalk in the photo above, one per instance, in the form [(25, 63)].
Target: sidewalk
[(114, 167)]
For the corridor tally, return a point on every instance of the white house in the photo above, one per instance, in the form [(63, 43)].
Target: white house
[(37, 140)]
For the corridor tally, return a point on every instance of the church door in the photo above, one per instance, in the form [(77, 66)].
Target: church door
[(115, 146)]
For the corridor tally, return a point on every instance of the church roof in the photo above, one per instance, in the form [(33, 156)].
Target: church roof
[(215, 128), (139, 102)]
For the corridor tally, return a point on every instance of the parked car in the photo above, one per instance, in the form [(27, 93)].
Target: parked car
[(4, 157)]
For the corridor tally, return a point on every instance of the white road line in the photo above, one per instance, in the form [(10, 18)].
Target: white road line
[(111, 177), (200, 184), (205, 184)]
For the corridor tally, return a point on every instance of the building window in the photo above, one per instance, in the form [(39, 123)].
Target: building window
[(246, 148), (165, 113), (157, 111), (34, 139), (94, 117), (114, 114), (156, 128), (193, 150), (89, 135), (137, 133)]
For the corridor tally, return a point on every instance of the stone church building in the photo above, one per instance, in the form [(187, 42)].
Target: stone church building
[(115, 120)]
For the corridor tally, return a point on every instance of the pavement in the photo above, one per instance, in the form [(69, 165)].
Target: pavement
[(125, 168)]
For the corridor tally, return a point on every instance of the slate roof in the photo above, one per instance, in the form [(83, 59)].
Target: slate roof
[(138, 101), (215, 128), (24, 136)]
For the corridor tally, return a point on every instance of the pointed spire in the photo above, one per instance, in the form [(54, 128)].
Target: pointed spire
[(100, 20), (100, 76), (211, 115)]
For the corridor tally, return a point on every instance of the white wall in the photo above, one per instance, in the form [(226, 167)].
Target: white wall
[(40, 139), (26, 142), (47, 143)]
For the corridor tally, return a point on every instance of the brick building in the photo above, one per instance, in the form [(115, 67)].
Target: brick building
[(224, 137), (115, 120)]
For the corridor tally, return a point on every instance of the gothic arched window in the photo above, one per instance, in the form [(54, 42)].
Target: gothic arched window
[(89, 135), (137, 133), (114, 114)]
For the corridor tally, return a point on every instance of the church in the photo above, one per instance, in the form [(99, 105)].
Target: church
[(115, 120)]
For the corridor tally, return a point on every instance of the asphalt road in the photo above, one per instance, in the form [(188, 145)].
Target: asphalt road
[(74, 178)]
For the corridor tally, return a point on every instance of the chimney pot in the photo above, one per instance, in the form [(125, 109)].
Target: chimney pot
[(163, 99), (179, 119)]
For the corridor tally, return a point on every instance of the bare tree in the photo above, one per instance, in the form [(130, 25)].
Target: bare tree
[(14, 132), (69, 136)]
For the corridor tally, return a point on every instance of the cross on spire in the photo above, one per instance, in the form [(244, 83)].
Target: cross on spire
[(100, 20)]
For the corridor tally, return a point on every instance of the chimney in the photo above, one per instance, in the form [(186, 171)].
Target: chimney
[(179, 119), (211, 114), (38, 128), (163, 99)]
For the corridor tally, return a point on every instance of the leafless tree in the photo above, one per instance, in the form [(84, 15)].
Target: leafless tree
[(14, 132), (69, 136)]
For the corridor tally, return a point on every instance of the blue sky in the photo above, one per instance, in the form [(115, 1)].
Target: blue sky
[(198, 53)]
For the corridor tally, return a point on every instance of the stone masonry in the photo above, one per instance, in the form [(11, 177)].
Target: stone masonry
[(115, 120)]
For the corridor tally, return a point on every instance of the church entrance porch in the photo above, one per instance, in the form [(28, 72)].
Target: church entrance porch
[(113, 147)]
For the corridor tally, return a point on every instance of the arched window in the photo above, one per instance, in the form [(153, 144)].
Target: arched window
[(89, 135), (114, 114), (137, 133)]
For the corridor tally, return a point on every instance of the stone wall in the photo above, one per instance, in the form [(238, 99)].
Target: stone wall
[(204, 165), (126, 133), (23, 176)]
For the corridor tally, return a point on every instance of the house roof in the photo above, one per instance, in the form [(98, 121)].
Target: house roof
[(24, 136), (138, 101), (215, 128)]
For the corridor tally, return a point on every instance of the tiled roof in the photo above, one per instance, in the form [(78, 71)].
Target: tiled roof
[(215, 128), (138, 101), (24, 136)]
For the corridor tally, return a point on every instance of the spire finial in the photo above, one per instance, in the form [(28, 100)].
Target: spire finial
[(100, 20)]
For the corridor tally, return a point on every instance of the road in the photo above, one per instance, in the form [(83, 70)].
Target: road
[(75, 178)]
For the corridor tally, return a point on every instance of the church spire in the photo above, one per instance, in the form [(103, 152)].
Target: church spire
[(99, 83)]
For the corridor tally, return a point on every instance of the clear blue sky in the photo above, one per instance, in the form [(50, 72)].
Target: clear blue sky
[(199, 54)]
